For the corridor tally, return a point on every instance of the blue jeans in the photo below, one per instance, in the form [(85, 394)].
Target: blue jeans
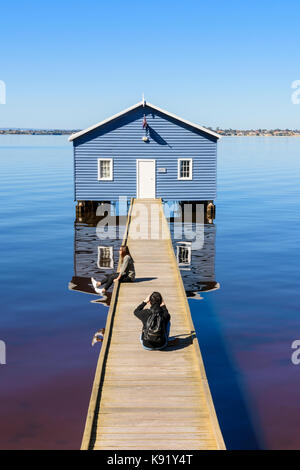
[(161, 347)]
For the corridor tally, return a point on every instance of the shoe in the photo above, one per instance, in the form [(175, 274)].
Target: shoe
[(98, 290), (94, 282)]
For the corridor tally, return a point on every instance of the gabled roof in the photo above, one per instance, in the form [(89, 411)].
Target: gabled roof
[(142, 104)]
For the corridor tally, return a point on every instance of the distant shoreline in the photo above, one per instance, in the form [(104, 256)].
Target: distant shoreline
[(37, 131), (222, 132)]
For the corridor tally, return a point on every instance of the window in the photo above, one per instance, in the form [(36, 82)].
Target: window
[(184, 254), (185, 169), (105, 169), (105, 257)]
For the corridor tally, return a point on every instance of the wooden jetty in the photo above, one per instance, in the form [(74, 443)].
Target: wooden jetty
[(150, 399)]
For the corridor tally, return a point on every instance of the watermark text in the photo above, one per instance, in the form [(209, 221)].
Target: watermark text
[(295, 97), (2, 352), (2, 92), (295, 358), (147, 222)]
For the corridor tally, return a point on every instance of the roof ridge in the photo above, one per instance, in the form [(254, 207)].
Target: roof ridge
[(137, 105)]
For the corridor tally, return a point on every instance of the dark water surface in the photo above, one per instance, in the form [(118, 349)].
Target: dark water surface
[(243, 289)]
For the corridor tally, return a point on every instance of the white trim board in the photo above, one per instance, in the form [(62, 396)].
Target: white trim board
[(138, 105)]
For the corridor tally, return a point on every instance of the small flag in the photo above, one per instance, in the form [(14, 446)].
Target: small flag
[(145, 124)]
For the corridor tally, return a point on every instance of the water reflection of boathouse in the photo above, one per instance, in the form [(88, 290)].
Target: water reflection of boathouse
[(97, 238), (194, 246), (197, 266), (96, 249)]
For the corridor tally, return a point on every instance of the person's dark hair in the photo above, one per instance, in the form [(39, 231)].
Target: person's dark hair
[(125, 251), (155, 301)]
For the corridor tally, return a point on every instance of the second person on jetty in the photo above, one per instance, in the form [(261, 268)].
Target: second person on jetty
[(126, 274), (156, 322)]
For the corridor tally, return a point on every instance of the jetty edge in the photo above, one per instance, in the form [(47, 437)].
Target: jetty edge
[(124, 370)]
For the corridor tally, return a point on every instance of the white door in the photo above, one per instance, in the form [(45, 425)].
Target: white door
[(145, 179)]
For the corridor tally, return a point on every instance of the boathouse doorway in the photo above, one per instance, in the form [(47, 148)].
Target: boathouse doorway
[(145, 184)]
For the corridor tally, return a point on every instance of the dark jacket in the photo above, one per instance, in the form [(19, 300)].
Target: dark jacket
[(143, 314)]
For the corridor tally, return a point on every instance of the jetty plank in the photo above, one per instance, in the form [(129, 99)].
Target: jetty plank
[(150, 399)]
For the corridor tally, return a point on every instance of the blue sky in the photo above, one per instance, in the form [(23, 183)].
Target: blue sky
[(70, 64)]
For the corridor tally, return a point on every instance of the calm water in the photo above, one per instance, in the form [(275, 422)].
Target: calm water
[(245, 327)]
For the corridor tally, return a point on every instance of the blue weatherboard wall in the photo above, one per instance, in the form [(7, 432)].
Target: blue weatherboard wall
[(121, 139)]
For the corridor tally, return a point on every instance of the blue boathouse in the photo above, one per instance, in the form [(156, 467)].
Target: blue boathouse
[(145, 152)]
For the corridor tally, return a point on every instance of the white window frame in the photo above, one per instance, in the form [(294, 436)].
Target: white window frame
[(191, 169), (111, 257), (188, 247), (111, 169)]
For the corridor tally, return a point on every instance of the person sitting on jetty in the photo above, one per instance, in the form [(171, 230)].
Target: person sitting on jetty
[(156, 322), (126, 274)]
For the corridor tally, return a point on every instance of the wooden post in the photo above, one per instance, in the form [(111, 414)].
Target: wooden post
[(210, 212)]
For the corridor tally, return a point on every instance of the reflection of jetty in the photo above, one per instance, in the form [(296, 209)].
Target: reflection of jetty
[(142, 399)]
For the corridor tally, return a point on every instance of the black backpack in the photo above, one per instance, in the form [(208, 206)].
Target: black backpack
[(154, 330)]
